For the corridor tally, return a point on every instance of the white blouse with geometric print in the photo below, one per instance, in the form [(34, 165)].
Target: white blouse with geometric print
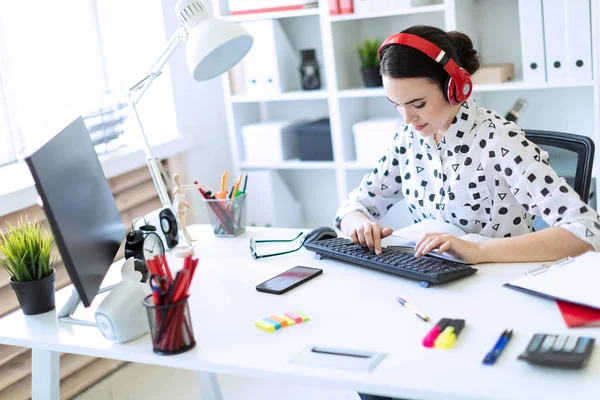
[(484, 176)]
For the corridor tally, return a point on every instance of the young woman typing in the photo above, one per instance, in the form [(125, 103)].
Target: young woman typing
[(462, 164)]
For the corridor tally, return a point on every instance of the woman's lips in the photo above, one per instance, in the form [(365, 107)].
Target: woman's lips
[(420, 127)]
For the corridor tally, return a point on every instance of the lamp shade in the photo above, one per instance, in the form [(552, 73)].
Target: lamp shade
[(214, 46)]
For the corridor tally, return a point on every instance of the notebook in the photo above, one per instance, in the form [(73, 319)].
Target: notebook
[(576, 315), (574, 280), (408, 237)]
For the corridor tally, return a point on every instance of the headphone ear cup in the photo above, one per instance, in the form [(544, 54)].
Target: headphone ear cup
[(451, 91)]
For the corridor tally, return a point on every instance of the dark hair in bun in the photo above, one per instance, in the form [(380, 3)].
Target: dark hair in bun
[(399, 61)]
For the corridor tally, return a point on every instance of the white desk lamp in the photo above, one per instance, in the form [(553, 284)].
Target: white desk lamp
[(213, 46)]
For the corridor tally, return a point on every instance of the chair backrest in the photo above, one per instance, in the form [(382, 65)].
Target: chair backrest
[(571, 156)]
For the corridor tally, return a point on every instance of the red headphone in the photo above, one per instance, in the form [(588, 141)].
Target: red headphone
[(459, 86)]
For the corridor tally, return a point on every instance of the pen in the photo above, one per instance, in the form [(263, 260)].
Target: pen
[(411, 308), (493, 355), (245, 183)]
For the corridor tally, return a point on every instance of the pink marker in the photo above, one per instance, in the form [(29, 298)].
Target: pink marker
[(429, 339)]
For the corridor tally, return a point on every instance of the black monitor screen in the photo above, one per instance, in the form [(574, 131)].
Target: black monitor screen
[(79, 206)]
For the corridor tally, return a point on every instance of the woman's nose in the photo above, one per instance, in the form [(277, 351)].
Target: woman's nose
[(408, 116)]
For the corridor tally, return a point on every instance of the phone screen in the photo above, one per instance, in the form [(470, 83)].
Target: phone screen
[(288, 279)]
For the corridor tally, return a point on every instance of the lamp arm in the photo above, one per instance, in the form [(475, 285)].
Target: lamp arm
[(136, 92)]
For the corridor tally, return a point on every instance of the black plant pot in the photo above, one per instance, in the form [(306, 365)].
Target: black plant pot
[(36, 297), (371, 77)]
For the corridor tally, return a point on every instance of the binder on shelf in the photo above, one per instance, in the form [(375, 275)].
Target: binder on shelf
[(240, 7), (579, 42), (271, 66), (361, 6), (334, 7), (346, 7), (531, 26), (555, 39), (388, 5), (272, 203)]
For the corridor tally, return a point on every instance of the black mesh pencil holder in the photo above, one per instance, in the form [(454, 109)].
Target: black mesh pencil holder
[(227, 216), (170, 326)]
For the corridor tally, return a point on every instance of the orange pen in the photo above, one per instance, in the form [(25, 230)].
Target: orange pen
[(223, 193)]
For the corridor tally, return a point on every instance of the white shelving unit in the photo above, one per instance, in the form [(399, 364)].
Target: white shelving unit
[(492, 25)]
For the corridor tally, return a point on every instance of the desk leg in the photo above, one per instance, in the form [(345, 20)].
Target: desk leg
[(208, 386), (45, 374)]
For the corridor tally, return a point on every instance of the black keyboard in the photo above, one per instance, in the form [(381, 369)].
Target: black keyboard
[(403, 263)]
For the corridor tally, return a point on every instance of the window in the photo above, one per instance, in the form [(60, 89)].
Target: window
[(80, 55)]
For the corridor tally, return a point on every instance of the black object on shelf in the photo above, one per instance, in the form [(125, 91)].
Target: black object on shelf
[(314, 141), (517, 110), (309, 71), (371, 77)]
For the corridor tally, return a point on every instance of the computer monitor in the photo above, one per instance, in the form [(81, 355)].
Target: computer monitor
[(79, 206)]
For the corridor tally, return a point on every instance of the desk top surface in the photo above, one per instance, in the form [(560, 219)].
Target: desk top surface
[(350, 307)]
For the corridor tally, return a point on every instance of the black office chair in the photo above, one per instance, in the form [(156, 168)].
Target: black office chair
[(571, 156)]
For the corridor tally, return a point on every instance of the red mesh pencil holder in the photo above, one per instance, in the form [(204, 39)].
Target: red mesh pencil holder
[(170, 326)]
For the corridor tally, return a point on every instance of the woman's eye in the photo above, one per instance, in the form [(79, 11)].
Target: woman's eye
[(419, 105)]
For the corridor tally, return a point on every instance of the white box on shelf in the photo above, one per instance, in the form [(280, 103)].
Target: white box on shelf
[(271, 66), (270, 141), (270, 201), (372, 137)]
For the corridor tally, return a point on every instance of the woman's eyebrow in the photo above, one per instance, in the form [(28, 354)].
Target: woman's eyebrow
[(408, 102), (414, 100)]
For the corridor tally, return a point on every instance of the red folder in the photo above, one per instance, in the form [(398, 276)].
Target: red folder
[(346, 7), (578, 315), (334, 7)]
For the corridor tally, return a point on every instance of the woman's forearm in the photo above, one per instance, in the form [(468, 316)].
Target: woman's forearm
[(548, 244)]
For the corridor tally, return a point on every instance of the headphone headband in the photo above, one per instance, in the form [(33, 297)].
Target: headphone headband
[(460, 85)]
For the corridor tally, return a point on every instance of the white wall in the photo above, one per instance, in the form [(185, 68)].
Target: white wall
[(200, 112)]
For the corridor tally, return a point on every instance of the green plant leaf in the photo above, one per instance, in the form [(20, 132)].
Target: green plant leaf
[(368, 53), (27, 250)]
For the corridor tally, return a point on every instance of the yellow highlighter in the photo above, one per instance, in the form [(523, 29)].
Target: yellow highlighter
[(447, 338)]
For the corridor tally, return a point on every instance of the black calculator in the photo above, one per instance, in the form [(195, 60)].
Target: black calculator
[(558, 351)]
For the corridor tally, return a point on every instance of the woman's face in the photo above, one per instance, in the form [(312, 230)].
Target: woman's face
[(421, 103)]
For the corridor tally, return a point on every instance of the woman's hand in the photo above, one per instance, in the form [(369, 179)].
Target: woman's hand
[(369, 234), (469, 252)]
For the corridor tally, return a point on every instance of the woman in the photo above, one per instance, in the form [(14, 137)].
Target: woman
[(459, 163)]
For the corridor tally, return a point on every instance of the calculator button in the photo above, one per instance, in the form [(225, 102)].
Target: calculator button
[(538, 338), (570, 344), (547, 343), (560, 342), (582, 344)]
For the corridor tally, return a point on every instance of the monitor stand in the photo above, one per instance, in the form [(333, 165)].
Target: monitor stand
[(66, 312)]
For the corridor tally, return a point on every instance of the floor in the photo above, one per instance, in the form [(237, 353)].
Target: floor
[(137, 381)]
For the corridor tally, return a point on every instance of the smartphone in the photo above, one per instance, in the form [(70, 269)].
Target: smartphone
[(289, 279)]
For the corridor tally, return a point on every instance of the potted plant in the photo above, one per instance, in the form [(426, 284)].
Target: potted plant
[(27, 257), (369, 62)]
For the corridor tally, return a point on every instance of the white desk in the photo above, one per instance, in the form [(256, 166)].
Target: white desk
[(350, 307)]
